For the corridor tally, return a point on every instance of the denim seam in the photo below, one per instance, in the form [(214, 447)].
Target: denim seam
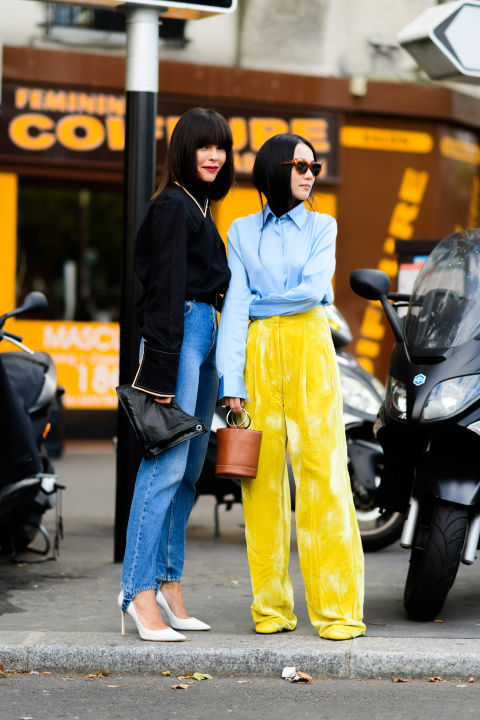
[(141, 526), (170, 530), (214, 333), (168, 578)]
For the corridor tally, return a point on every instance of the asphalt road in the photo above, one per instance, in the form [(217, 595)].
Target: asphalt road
[(74, 697)]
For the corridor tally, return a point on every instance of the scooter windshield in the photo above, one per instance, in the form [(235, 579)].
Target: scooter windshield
[(444, 309)]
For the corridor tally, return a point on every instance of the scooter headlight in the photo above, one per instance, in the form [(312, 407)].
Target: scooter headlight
[(358, 396), (397, 399), (451, 396)]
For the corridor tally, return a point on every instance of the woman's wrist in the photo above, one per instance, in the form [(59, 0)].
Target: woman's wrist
[(234, 403)]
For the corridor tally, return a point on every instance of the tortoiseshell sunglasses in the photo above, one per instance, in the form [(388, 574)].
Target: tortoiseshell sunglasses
[(302, 166)]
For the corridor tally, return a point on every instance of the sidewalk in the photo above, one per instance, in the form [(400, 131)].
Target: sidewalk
[(63, 615)]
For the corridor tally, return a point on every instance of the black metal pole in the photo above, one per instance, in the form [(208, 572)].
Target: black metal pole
[(139, 179)]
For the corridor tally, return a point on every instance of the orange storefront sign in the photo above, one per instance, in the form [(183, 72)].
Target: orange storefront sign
[(76, 125), (85, 355)]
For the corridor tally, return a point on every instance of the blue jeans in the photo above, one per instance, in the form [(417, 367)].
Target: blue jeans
[(165, 487)]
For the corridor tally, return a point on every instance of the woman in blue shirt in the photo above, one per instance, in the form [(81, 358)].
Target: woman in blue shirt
[(282, 367)]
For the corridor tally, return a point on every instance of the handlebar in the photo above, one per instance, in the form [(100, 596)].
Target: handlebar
[(10, 336), (15, 340), (399, 297)]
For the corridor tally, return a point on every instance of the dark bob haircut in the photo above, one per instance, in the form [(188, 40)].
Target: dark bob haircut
[(195, 128), (272, 178)]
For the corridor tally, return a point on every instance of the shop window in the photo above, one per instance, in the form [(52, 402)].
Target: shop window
[(70, 247)]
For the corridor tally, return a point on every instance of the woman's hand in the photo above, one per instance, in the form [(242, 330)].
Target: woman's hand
[(164, 400), (234, 403)]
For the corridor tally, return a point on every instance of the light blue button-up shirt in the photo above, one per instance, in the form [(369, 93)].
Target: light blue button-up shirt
[(286, 267)]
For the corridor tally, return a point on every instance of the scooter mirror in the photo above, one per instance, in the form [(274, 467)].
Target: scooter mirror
[(370, 284), (33, 301)]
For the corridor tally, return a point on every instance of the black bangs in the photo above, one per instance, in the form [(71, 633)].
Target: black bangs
[(198, 127), (213, 130), (272, 178)]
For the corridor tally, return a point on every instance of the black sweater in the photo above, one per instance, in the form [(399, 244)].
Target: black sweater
[(178, 253)]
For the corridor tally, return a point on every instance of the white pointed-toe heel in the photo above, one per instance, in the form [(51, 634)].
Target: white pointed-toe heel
[(180, 623), (167, 635)]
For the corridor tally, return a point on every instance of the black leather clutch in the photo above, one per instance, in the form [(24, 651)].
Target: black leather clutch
[(157, 426)]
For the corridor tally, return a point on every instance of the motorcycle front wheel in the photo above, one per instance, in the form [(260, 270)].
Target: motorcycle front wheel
[(434, 567)]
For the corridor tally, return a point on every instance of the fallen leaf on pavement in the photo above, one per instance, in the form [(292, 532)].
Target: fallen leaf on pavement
[(114, 686), (180, 687), (303, 677), (293, 675), (166, 673), (461, 686), (202, 676), (471, 679), (438, 620), (105, 672), (436, 678), (234, 582), (400, 680), (240, 682)]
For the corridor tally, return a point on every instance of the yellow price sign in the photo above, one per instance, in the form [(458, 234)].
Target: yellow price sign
[(86, 356)]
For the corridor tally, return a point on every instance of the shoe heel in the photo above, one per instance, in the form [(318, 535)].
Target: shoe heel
[(123, 624)]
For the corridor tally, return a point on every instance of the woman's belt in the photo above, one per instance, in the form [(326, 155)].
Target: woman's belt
[(214, 299)]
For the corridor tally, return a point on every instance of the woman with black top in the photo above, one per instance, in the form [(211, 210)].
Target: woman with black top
[(181, 262)]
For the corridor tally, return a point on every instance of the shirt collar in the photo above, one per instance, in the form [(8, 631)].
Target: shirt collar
[(298, 214)]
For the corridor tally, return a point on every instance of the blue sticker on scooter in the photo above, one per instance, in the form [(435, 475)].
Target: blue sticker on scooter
[(419, 379)]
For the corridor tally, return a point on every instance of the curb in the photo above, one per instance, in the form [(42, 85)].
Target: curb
[(448, 659)]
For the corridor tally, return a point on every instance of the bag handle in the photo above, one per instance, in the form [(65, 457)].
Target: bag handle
[(238, 425)]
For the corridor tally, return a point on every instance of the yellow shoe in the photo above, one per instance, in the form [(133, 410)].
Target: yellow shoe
[(341, 632), (267, 627)]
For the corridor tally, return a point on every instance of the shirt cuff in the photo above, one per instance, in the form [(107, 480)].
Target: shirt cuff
[(157, 373), (233, 386)]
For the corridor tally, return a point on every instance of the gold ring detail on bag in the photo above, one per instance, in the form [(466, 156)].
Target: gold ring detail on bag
[(238, 450)]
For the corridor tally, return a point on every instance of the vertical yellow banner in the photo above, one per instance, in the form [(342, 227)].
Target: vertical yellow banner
[(8, 240)]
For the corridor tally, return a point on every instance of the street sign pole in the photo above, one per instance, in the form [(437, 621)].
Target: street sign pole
[(139, 178)]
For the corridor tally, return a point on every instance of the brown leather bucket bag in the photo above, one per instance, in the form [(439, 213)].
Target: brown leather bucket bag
[(238, 450)]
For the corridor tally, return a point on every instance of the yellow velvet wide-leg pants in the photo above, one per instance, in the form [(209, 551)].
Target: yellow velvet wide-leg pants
[(292, 379)]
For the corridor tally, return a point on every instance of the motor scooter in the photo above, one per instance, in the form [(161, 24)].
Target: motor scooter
[(429, 422), (362, 395), (28, 484)]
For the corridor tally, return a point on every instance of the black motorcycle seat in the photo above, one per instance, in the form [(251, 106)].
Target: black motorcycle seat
[(26, 373)]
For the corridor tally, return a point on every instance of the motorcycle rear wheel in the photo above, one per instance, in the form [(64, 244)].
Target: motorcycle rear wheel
[(434, 567), (377, 529)]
